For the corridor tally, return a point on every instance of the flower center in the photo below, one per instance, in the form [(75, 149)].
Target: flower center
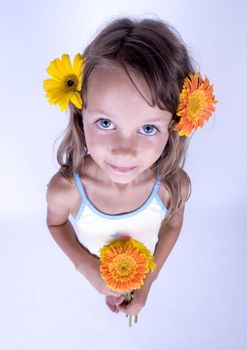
[(122, 266), (196, 103), (70, 83)]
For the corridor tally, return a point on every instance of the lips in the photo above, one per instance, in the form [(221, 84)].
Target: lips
[(122, 169)]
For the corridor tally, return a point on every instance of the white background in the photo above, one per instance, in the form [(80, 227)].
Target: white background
[(199, 299)]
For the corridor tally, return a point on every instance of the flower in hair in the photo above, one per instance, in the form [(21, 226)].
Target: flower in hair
[(66, 81), (196, 104)]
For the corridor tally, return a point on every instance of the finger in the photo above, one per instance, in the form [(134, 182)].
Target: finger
[(112, 307), (116, 309), (122, 308), (128, 311), (111, 303), (128, 308), (120, 300)]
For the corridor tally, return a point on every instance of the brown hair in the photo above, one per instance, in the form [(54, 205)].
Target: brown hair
[(156, 51)]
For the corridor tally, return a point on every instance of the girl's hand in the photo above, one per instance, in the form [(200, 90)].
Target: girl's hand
[(139, 301), (112, 302)]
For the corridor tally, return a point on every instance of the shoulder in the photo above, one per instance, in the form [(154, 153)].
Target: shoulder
[(58, 195), (59, 184), (185, 190), (185, 185), (177, 218)]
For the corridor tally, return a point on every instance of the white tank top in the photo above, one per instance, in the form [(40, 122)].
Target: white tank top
[(94, 228)]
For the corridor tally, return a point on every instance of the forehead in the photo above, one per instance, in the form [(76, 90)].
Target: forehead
[(113, 78), (111, 89)]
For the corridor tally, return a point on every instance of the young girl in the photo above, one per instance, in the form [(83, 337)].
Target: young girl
[(134, 99)]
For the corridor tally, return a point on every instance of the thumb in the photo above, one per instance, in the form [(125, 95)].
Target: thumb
[(120, 300), (123, 308)]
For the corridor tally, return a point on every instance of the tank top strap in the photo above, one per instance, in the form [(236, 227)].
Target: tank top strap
[(157, 183), (79, 185)]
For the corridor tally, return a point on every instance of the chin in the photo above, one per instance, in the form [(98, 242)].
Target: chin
[(122, 179)]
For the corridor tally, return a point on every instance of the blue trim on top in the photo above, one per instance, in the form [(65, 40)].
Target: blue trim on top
[(161, 203), (83, 194), (85, 200)]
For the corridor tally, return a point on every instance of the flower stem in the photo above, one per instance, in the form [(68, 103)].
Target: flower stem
[(130, 320), (128, 297)]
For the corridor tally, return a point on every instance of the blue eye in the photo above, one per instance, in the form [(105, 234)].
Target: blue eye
[(150, 128), (104, 123)]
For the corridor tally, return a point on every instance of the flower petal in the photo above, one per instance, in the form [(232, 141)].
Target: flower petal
[(67, 64), (195, 104)]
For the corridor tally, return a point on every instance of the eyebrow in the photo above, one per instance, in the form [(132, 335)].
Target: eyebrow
[(100, 111)]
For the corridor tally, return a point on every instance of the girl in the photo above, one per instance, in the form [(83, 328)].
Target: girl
[(134, 99)]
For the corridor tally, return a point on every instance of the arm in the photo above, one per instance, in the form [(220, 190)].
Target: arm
[(63, 233), (66, 238), (168, 236), (60, 227)]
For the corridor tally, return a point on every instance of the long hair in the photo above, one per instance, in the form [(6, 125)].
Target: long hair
[(156, 51)]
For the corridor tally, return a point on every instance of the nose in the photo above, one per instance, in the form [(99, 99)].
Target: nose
[(124, 147)]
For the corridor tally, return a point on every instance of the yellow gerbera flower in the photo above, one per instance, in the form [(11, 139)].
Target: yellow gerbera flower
[(196, 104), (66, 81), (124, 264)]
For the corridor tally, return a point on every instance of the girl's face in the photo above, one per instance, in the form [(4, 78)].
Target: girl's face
[(121, 129)]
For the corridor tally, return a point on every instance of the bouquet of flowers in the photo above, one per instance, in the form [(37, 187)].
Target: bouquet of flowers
[(124, 265)]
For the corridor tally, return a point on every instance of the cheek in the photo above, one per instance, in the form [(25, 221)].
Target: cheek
[(164, 141), (159, 147), (94, 140), (156, 145), (88, 129), (163, 144), (89, 133)]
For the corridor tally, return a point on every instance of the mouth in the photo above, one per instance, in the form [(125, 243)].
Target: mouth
[(121, 169)]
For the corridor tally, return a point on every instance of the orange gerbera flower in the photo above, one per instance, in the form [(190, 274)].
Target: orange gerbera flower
[(196, 104), (124, 265)]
